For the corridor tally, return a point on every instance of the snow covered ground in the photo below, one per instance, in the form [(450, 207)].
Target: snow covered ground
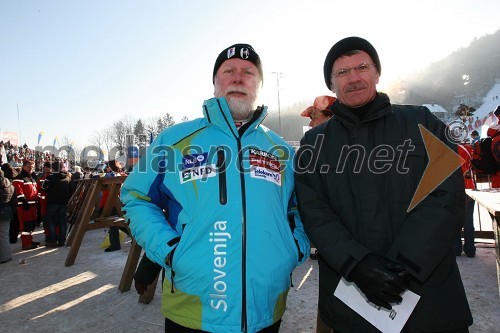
[(39, 294)]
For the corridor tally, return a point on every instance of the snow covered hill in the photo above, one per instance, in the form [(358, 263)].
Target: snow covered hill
[(483, 117), (485, 112)]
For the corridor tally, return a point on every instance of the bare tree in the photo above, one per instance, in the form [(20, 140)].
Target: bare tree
[(128, 123), (66, 141), (97, 139), (151, 127), (67, 150), (119, 134)]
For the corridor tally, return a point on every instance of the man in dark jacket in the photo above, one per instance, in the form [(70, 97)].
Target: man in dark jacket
[(356, 175), (57, 185)]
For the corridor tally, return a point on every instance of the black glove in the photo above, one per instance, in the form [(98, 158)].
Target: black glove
[(380, 279), (26, 205), (146, 273), (141, 288)]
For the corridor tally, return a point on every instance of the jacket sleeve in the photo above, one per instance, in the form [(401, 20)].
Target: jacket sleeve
[(294, 219), (297, 227), (322, 225), (145, 198), (18, 185), (427, 235)]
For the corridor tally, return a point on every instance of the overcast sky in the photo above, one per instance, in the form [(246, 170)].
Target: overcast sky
[(74, 67)]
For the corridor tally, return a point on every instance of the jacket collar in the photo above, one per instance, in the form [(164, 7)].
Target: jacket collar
[(216, 112), (380, 108), (23, 174)]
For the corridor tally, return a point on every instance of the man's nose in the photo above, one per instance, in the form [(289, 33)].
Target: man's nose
[(238, 77)]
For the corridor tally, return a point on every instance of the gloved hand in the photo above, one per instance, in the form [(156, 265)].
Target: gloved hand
[(140, 287), (380, 279), (146, 273), (26, 205)]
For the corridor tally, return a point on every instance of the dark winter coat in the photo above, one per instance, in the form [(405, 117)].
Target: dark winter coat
[(356, 206), (57, 186)]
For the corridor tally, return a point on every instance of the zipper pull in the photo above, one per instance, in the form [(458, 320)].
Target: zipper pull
[(172, 274)]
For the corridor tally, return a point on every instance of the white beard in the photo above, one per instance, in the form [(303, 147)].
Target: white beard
[(241, 109)]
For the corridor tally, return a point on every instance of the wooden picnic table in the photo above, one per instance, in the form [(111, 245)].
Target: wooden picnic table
[(490, 200), (85, 216)]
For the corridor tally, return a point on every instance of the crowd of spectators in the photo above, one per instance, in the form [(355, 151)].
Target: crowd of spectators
[(15, 155)]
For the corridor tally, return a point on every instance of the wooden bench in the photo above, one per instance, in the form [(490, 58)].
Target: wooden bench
[(490, 200)]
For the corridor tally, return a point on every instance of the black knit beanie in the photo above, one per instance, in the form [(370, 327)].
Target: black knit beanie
[(240, 51), (343, 46)]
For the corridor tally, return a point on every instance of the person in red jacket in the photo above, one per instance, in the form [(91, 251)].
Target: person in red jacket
[(27, 196)]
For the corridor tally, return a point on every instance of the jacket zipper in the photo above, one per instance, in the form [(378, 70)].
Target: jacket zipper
[(244, 324), (221, 166)]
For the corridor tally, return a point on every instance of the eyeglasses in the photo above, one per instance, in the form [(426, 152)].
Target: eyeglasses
[(362, 68)]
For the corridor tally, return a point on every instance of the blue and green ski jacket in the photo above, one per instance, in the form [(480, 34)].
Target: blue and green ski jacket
[(221, 201)]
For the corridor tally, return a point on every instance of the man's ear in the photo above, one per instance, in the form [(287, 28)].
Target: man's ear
[(332, 88)]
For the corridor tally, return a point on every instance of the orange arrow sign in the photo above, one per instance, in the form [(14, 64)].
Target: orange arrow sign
[(443, 161)]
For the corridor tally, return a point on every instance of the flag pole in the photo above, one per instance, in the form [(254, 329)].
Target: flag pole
[(19, 123)]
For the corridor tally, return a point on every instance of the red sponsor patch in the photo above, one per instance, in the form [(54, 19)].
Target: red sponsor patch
[(265, 163), (264, 159)]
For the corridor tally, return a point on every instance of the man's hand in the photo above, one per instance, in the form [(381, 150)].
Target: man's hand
[(380, 279), (146, 273), (26, 205), (140, 287)]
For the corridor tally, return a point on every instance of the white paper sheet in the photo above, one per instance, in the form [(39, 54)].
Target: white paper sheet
[(387, 321)]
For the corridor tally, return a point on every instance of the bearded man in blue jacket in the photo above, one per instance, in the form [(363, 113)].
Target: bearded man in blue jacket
[(212, 201)]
